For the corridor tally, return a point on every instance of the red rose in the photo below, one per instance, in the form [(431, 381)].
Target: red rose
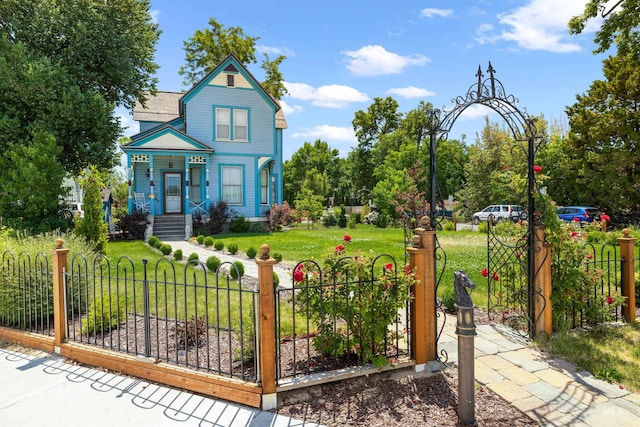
[(298, 275), (407, 269), (609, 300), (505, 167), (589, 256), (605, 217), (388, 267), (495, 277), (347, 238), (484, 272), (537, 169), (574, 233), (576, 219), (339, 248)]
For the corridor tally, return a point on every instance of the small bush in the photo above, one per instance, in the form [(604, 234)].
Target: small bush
[(448, 299), (232, 248), (154, 242), (257, 227), (483, 227), (208, 241), (213, 262), (191, 334), (237, 270), (277, 256), (276, 279), (200, 238), (342, 219), (351, 222), (218, 245), (177, 255), (329, 219), (251, 252), (104, 314), (280, 217), (239, 224), (448, 225), (165, 248), (193, 256)]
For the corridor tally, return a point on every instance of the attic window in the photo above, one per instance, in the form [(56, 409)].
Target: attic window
[(230, 80)]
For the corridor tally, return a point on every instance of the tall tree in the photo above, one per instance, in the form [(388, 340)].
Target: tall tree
[(104, 46), (381, 118), (604, 142), (620, 26), (208, 47), (317, 156)]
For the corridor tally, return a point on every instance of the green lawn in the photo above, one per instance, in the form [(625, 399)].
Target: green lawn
[(462, 250)]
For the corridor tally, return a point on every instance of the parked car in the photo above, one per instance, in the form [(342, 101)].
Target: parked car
[(500, 213), (582, 214), (70, 210)]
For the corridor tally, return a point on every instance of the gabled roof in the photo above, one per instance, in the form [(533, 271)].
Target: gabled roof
[(166, 138), (159, 108), (166, 106)]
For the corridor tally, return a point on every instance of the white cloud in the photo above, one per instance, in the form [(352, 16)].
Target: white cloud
[(374, 60), (539, 25), (328, 96), (274, 51), (476, 111), (430, 12), (327, 133), (290, 109), (130, 126), (410, 92), (154, 16)]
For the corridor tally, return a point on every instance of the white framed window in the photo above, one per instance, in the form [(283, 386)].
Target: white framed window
[(240, 125), (223, 123), (194, 184), (264, 186), (232, 184)]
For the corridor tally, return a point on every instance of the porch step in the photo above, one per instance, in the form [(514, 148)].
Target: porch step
[(169, 227)]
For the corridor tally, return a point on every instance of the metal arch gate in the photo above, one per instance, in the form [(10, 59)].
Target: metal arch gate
[(512, 258)]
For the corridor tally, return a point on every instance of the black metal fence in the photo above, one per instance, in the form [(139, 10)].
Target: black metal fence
[(192, 318), (330, 319), (26, 293)]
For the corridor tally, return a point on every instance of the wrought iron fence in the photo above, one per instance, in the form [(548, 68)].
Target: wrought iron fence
[(606, 266), (200, 320), (330, 319), (26, 292)]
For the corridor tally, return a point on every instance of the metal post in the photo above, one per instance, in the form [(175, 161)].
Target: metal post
[(147, 311), (432, 175), (531, 280), (466, 330)]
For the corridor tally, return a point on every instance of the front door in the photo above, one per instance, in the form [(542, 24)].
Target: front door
[(172, 192)]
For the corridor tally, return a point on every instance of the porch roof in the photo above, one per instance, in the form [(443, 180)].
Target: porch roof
[(167, 138)]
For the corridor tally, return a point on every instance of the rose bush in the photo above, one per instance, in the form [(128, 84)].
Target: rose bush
[(353, 300)]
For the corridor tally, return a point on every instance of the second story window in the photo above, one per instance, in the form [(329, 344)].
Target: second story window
[(230, 80), (223, 128), (231, 124)]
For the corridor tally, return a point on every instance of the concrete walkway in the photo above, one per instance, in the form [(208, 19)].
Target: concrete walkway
[(551, 391)]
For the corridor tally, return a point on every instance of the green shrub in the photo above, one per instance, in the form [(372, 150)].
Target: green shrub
[(232, 248), (239, 224), (483, 227), (218, 245), (177, 255), (213, 262), (448, 225), (277, 256), (105, 314), (208, 241), (342, 218), (276, 279), (252, 252), (165, 248), (154, 242), (193, 256), (236, 270), (448, 299), (200, 238), (257, 227)]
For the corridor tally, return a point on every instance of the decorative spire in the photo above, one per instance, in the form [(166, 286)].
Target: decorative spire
[(491, 72), (479, 75)]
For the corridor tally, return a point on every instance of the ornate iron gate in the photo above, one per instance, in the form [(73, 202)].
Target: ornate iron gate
[(514, 259)]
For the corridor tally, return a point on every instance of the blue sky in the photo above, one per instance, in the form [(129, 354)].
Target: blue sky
[(343, 54)]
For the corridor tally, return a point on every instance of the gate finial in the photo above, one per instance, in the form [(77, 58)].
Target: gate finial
[(479, 75), (491, 72)]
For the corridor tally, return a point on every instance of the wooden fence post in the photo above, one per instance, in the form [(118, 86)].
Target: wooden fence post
[(59, 255), (628, 278), (423, 306), (266, 329), (543, 285)]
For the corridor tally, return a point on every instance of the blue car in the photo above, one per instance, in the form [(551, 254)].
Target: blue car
[(579, 214)]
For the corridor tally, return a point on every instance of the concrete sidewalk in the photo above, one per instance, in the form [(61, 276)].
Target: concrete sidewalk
[(42, 389), (549, 390)]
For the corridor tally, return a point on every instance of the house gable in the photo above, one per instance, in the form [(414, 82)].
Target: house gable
[(167, 138)]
